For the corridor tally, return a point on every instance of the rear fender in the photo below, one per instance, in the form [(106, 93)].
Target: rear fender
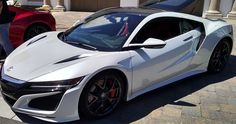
[(202, 57)]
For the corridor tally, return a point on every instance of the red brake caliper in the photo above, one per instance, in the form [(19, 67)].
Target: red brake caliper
[(113, 89)]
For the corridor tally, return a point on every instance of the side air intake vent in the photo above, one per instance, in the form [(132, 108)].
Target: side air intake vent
[(68, 60)]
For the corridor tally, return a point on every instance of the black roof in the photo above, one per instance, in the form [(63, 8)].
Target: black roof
[(141, 10)]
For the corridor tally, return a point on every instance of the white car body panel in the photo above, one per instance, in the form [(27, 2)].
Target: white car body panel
[(37, 67), (156, 65), (145, 69)]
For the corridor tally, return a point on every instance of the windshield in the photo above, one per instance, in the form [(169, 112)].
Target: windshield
[(106, 33)]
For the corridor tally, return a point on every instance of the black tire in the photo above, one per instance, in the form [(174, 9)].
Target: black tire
[(35, 30), (220, 57), (101, 95)]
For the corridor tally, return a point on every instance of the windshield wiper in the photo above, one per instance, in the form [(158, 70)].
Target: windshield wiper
[(82, 44)]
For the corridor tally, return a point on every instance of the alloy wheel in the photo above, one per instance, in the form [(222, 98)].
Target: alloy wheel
[(220, 57), (101, 95)]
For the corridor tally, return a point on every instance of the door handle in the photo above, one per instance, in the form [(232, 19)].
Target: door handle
[(189, 38)]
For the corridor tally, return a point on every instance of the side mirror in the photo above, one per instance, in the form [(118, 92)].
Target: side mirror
[(150, 43), (76, 23)]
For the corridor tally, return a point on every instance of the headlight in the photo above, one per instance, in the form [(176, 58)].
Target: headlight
[(57, 84)]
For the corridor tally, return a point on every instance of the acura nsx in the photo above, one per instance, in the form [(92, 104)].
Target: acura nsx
[(113, 55)]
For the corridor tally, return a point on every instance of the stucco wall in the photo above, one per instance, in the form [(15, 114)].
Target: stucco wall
[(53, 3), (225, 6), (26, 2), (66, 4), (125, 3)]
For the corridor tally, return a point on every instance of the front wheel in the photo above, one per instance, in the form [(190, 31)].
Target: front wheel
[(101, 95), (219, 57)]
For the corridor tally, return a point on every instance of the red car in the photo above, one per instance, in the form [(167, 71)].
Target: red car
[(27, 24)]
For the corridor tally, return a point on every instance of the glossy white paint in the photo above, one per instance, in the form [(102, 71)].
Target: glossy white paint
[(151, 42), (145, 69), (151, 66)]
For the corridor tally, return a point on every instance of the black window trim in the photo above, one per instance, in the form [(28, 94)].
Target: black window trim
[(201, 25)]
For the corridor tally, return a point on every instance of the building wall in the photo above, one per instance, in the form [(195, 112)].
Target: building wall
[(125, 3), (67, 3), (93, 5), (225, 6), (31, 2)]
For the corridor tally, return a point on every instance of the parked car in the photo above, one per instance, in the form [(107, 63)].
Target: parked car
[(27, 24), (113, 55)]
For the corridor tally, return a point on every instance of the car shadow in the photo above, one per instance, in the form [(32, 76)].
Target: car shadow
[(143, 105)]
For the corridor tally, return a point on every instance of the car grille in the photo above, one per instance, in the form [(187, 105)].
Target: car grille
[(9, 100), (48, 103), (8, 86), (12, 91)]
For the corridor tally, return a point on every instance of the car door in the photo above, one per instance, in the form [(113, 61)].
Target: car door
[(154, 65)]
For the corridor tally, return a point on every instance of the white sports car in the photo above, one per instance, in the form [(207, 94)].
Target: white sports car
[(115, 54)]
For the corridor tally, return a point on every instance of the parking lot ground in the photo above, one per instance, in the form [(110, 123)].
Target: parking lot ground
[(65, 20), (202, 99)]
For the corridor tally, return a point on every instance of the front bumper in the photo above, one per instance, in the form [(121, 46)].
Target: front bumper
[(12, 92), (53, 105)]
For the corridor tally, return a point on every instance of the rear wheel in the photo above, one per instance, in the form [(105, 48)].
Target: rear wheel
[(219, 57), (101, 95), (35, 30)]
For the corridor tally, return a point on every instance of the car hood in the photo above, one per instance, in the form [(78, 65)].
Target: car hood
[(42, 57)]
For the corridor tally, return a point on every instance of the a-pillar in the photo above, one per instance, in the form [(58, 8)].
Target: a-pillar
[(60, 6), (232, 14), (213, 11)]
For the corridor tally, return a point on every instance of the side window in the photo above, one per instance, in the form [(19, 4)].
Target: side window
[(189, 25), (185, 26), (160, 28)]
